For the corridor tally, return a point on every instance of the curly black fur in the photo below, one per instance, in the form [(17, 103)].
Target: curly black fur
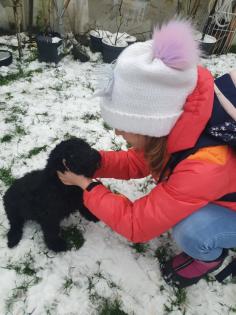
[(42, 197)]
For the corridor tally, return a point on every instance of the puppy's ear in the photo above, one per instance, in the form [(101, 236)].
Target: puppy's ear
[(96, 160), (54, 165)]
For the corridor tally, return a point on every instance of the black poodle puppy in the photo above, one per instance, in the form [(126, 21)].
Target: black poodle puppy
[(42, 197)]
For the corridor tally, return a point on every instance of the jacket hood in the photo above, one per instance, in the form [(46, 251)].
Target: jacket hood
[(196, 113)]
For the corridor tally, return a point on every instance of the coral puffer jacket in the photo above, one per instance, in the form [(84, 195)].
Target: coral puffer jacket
[(201, 178)]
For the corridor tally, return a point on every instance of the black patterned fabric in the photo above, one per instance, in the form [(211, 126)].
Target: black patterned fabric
[(221, 126)]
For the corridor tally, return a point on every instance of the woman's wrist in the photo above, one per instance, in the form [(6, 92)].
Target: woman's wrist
[(85, 183)]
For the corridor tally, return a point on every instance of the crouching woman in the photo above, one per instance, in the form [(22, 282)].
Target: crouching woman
[(160, 102)]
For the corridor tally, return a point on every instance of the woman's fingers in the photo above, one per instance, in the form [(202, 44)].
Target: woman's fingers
[(62, 177)]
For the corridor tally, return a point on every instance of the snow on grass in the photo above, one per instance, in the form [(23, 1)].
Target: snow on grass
[(40, 105)]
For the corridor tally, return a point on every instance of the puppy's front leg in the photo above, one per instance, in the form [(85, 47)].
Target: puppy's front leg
[(52, 238)]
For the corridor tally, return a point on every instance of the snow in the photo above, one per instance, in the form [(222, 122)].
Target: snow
[(50, 106)]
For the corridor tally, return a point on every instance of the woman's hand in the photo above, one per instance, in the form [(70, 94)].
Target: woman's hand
[(69, 178)]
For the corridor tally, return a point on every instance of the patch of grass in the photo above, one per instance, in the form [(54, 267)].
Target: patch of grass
[(89, 86), (51, 308), (18, 293), (33, 55), (67, 285), (18, 110), (106, 126), (6, 176), (109, 307), (177, 302), (7, 138), (68, 136), (36, 151), (232, 309), (140, 248), (20, 131), (73, 237), (145, 186), (58, 87), (21, 74), (90, 116), (11, 119), (162, 254), (8, 96), (45, 114), (22, 267), (3, 105), (115, 146)]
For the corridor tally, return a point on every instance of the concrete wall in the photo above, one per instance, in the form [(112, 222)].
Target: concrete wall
[(139, 15)]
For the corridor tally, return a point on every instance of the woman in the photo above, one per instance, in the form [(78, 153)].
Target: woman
[(160, 101)]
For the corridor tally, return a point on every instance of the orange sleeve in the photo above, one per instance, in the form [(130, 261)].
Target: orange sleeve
[(192, 185), (122, 165)]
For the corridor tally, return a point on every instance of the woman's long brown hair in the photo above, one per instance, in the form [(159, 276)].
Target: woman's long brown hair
[(155, 153)]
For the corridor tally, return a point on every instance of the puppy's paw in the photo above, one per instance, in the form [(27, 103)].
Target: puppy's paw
[(13, 237), (57, 245)]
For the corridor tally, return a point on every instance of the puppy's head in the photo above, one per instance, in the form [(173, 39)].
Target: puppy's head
[(77, 155)]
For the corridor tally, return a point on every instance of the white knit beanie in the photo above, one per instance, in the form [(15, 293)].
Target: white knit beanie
[(151, 81)]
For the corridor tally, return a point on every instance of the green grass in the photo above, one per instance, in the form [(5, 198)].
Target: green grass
[(140, 248), (177, 302), (162, 254), (68, 136), (68, 285), (106, 126), (18, 110), (9, 96), (115, 146), (21, 74), (17, 294), (73, 237), (36, 151), (20, 131), (25, 268), (12, 118), (89, 116), (6, 176), (7, 138), (109, 307)]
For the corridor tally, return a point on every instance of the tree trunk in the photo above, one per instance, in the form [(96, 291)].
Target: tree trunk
[(17, 17)]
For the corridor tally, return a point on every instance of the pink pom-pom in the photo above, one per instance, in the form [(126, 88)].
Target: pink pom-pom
[(174, 44)]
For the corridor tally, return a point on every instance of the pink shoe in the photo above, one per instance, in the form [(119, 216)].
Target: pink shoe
[(183, 270)]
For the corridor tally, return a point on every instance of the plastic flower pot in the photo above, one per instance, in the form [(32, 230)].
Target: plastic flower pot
[(50, 47), (5, 58), (206, 44), (111, 50), (96, 37), (130, 39)]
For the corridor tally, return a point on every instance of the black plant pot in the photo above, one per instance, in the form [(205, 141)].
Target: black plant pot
[(207, 44), (95, 43), (48, 50), (96, 37), (5, 58), (111, 53)]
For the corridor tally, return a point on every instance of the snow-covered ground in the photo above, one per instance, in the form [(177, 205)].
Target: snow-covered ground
[(39, 107)]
